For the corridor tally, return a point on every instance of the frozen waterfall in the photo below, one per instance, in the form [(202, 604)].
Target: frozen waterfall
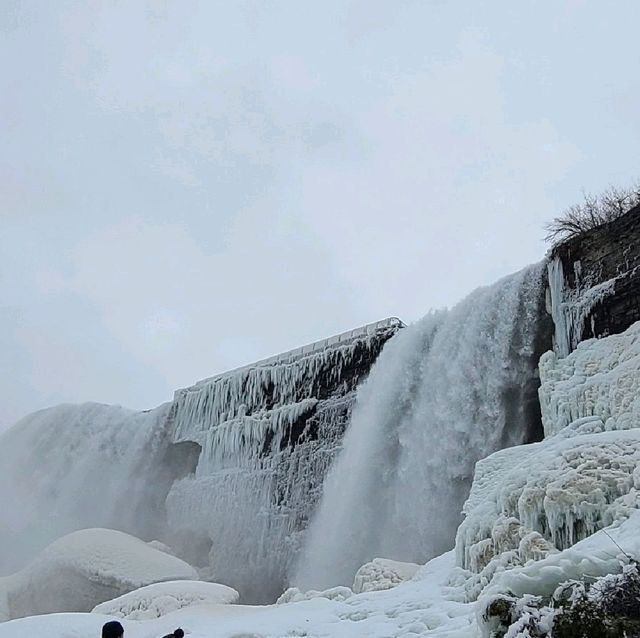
[(445, 392)]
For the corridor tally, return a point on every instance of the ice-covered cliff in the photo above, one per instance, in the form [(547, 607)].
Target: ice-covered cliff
[(594, 282), (268, 434), (534, 517)]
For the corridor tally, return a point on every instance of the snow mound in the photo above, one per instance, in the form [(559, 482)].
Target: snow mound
[(85, 568), (159, 599), (383, 573)]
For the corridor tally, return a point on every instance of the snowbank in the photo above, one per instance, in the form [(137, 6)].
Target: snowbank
[(85, 568), (160, 599), (383, 573)]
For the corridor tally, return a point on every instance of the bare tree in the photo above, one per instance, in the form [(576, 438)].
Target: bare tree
[(593, 211)]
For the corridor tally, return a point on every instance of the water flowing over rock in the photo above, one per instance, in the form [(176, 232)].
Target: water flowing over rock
[(445, 392)]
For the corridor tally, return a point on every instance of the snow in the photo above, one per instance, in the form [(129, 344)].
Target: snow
[(85, 568), (160, 599), (595, 556)]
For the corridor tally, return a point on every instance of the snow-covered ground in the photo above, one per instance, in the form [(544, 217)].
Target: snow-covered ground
[(415, 608)]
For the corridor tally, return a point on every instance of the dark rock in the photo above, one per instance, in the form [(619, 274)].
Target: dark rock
[(609, 253)]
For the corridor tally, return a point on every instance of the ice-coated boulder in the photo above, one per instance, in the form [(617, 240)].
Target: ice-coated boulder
[(85, 568), (159, 599), (382, 573), (296, 595)]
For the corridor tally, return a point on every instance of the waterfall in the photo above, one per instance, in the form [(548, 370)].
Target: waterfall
[(445, 392), (76, 466)]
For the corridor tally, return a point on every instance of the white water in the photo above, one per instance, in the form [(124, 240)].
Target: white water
[(439, 398)]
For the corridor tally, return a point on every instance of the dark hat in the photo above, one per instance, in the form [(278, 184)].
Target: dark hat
[(112, 629)]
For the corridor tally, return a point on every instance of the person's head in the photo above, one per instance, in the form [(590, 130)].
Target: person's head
[(178, 633), (112, 629)]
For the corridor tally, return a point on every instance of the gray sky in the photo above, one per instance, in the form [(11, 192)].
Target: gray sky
[(189, 186)]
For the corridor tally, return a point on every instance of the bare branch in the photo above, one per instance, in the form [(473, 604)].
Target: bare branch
[(594, 211)]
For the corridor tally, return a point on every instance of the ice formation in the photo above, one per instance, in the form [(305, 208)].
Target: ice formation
[(535, 512), (570, 307), (444, 393), (597, 387), (85, 568), (382, 573), (163, 598)]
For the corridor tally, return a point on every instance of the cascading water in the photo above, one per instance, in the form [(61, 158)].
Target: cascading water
[(444, 393)]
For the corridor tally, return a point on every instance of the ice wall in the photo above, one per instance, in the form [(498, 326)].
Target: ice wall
[(268, 433), (445, 392)]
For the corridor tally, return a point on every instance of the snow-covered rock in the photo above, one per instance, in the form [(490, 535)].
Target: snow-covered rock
[(562, 489), (295, 595), (383, 573), (159, 599), (85, 568)]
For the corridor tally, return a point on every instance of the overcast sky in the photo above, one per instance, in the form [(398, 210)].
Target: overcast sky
[(189, 186)]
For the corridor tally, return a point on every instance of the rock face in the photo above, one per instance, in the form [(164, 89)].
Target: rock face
[(600, 280)]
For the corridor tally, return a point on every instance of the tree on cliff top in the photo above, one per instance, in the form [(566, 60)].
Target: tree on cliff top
[(593, 211)]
